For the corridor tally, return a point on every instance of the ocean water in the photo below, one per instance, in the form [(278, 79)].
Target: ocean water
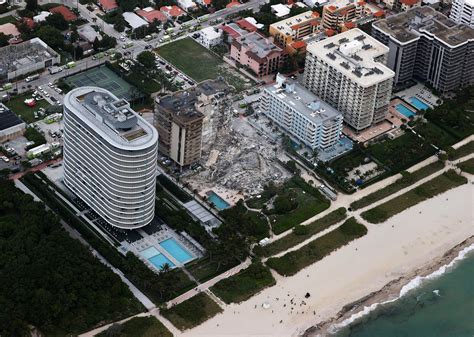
[(440, 305)]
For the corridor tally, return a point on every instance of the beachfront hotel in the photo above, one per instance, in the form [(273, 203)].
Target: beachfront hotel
[(348, 71), (301, 114), (426, 45), (110, 156)]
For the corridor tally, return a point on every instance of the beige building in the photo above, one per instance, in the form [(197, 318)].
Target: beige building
[(340, 12), (185, 119), (292, 30), (348, 71)]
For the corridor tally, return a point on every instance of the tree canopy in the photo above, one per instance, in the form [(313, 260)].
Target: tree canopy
[(147, 59), (49, 280)]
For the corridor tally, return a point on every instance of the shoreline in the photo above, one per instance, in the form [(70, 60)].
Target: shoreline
[(388, 293), (392, 253)]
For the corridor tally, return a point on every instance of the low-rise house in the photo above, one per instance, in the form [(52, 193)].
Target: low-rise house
[(150, 15), (187, 5), (210, 37), (9, 29), (67, 14), (280, 10), (172, 12), (41, 16), (108, 6), (134, 20), (10, 125), (257, 53)]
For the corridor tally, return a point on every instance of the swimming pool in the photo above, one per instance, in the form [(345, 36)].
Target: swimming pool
[(217, 201), (418, 104), (176, 250), (156, 258), (404, 110)]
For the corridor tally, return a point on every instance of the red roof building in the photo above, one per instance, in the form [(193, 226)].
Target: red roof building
[(108, 5), (151, 15), (232, 4), (172, 11), (248, 26), (67, 14)]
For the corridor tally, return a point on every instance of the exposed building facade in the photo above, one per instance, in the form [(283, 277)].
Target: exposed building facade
[(291, 30), (462, 11), (210, 37), (110, 157), (348, 71), (301, 113), (184, 120), (426, 45), (257, 53)]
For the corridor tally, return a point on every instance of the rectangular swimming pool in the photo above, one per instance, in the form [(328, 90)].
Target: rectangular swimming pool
[(156, 258), (404, 110), (176, 250), (418, 104), (217, 201)]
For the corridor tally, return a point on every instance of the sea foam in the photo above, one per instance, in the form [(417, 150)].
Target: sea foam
[(413, 284)]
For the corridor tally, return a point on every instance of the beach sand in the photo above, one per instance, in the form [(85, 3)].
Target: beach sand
[(392, 252)]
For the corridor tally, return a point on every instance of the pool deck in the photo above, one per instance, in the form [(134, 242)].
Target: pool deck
[(228, 195), (421, 92)]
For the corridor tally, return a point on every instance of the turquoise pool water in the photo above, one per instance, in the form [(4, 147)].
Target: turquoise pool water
[(217, 201), (156, 258), (404, 110), (418, 104), (176, 250)]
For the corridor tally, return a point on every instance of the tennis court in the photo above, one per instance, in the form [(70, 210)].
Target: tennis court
[(104, 78)]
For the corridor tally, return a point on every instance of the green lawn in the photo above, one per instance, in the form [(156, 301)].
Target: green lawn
[(463, 151), (7, 19), (138, 327), (435, 186), (204, 269), (435, 135), (407, 180), (199, 63), (251, 224), (402, 152), (192, 312), (299, 235), (467, 166), (292, 262), (245, 284), (18, 106)]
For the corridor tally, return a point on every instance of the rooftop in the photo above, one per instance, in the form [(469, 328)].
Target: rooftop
[(288, 26), (150, 14), (211, 32), (134, 20), (301, 99), (8, 118), (280, 10), (9, 29), (234, 30), (108, 4), (407, 27), (173, 11), (258, 45), (111, 117), (67, 14), (20, 55), (183, 103), (353, 54)]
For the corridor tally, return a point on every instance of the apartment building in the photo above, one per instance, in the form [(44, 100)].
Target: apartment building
[(340, 12), (294, 29), (185, 118), (257, 53), (462, 11), (348, 71), (301, 113), (424, 44), (110, 156)]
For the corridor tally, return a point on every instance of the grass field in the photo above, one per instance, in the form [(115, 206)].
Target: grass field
[(138, 327), (292, 262), (407, 180), (296, 237), (18, 106), (245, 284), (199, 63), (435, 186), (7, 19), (306, 202), (462, 151), (192, 312), (467, 166)]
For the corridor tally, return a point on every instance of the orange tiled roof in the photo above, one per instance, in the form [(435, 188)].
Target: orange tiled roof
[(350, 25), (330, 32), (67, 14), (298, 44)]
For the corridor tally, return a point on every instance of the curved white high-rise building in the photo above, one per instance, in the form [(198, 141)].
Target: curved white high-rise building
[(110, 157)]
